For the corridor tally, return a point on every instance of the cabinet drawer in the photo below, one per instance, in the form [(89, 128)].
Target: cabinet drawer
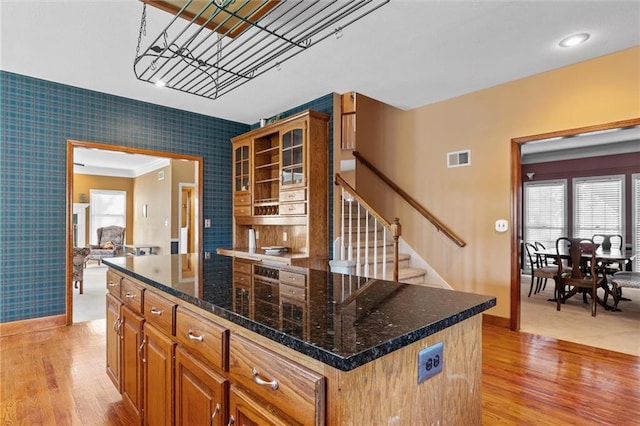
[(292, 278), (246, 410), (160, 312), (113, 283), (297, 195), (291, 388), (293, 292), (131, 294), (297, 208), (242, 279), (203, 337), (242, 199), (240, 266), (242, 210)]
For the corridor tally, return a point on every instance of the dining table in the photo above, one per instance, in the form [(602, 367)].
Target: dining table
[(603, 258)]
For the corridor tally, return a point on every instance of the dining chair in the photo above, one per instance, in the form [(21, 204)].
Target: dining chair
[(608, 242), (540, 272), (620, 280), (580, 255)]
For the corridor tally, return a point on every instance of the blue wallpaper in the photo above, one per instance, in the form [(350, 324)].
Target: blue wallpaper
[(37, 118)]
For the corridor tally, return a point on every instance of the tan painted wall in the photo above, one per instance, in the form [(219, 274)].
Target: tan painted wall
[(82, 184), (470, 199), (156, 227)]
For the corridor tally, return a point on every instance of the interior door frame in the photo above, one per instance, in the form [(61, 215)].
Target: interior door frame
[(516, 201), (181, 187), (71, 144)]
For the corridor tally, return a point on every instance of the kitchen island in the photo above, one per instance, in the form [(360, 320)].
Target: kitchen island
[(289, 345)]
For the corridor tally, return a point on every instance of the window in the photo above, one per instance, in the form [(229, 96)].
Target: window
[(598, 206), (635, 199), (545, 211), (107, 208)]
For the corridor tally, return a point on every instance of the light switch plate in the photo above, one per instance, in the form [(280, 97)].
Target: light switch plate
[(430, 361)]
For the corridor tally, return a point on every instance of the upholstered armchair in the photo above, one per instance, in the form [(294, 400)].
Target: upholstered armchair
[(79, 254), (110, 244)]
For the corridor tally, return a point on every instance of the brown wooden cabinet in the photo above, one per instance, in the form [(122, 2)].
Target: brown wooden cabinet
[(158, 377), (277, 382), (114, 306), (284, 197), (247, 411), (201, 395), (131, 367), (172, 364)]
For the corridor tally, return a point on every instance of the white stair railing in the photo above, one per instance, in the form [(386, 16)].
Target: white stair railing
[(360, 224)]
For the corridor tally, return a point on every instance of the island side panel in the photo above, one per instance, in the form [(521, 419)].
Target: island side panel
[(386, 391)]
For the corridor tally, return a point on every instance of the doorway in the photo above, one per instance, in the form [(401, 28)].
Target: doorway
[(516, 199), (139, 163)]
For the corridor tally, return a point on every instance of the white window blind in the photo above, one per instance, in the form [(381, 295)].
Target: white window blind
[(635, 197), (545, 211), (107, 208), (598, 206)]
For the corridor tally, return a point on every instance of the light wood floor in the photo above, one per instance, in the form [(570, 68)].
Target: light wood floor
[(58, 377)]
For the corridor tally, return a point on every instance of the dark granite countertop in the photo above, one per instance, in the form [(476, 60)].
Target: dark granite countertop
[(343, 321)]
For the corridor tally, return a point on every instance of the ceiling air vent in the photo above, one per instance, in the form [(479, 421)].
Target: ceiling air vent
[(459, 158)]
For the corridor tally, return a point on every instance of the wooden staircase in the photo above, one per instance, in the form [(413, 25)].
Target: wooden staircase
[(368, 243)]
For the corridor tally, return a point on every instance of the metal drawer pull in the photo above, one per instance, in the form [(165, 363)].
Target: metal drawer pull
[(215, 413), (256, 378), (194, 337), (141, 351), (130, 296), (232, 421), (111, 284), (155, 311)]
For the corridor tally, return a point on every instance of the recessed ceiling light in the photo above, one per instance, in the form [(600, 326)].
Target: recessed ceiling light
[(160, 83), (574, 40)]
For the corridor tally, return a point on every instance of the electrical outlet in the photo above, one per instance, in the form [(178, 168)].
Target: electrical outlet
[(430, 361), (207, 223), (502, 225), (284, 236)]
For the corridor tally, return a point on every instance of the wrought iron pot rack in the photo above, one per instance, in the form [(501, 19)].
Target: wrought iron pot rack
[(211, 47)]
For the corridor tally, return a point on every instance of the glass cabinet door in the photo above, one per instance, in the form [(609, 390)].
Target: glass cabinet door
[(292, 157), (241, 168)]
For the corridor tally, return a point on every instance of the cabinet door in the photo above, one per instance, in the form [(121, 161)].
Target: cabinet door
[(246, 411), (241, 155), (113, 340), (292, 156), (131, 341), (200, 393), (158, 377)]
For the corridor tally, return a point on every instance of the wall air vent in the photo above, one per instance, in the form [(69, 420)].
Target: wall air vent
[(459, 158)]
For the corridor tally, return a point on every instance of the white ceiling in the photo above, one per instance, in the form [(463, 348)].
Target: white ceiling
[(101, 162), (407, 53)]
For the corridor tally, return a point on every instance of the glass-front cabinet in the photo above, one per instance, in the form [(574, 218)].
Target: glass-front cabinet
[(280, 186), (242, 178), (292, 155)]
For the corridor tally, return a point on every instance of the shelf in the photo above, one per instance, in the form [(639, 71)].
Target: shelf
[(276, 179), (270, 149), (264, 166)]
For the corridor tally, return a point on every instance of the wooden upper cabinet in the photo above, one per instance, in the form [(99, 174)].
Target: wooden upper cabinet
[(241, 166), (348, 120), (285, 202), (292, 155)]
